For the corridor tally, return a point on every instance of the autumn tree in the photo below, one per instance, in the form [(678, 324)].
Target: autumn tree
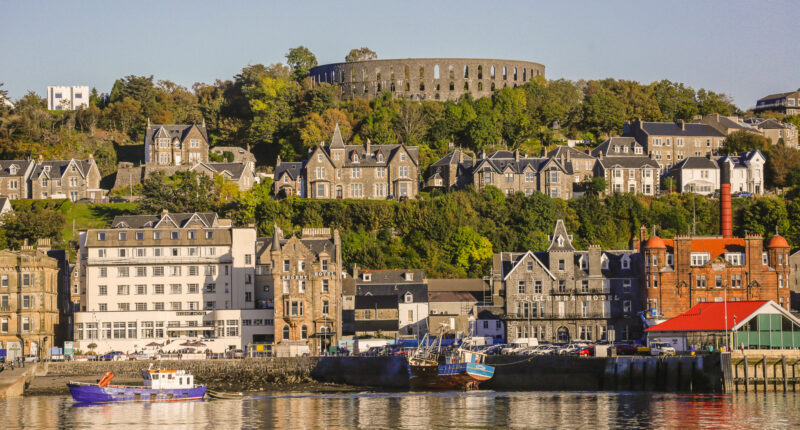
[(301, 60), (360, 54)]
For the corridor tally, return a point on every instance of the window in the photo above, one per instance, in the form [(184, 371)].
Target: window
[(140, 252), (209, 234), (175, 306), (585, 286), (529, 177), (101, 236), (175, 288), (561, 265), (285, 285), (102, 307), (736, 281), (699, 258), (735, 259), (123, 307), (356, 172), (158, 270), (325, 286), (193, 270), (537, 287), (141, 271), (141, 290), (626, 306), (521, 287), (26, 279), (764, 259), (122, 235), (193, 288), (122, 252), (286, 265), (562, 286), (301, 286), (156, 235), (626, 285), (175, 271), (700, 281), (158, 306), (158, 289), (211, 270), (301, 265), (173, 235), (402, 171), (141, 306), (123, 290), (626, 262)]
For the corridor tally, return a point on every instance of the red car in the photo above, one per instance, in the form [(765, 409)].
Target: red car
[(626, 349), (586, 351)]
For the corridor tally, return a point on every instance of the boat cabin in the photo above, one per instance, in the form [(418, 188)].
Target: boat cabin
[(167, 379)]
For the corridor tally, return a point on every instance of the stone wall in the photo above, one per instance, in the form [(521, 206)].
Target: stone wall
[(426, 78), (240, 375)]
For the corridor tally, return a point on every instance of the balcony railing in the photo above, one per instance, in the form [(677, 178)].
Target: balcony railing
[(165, 260), (565, 316), (5, 308), (576, 291)]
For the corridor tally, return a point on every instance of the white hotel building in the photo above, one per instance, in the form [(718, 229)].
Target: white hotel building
[(169, 279)]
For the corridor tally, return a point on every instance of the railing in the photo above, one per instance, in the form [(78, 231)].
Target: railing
[(163, 261), (5, 308), (565, 316)]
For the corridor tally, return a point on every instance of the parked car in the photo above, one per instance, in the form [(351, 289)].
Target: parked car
[(30, 358), (626, 349), (661, 348), (113, 356), (586, 351)]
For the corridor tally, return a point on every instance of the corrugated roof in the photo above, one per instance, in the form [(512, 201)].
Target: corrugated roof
[(710, 316)]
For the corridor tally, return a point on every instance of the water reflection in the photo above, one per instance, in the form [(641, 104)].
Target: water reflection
[(480, 409)]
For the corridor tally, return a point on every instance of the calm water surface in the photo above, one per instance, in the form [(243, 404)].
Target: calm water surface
[(457, 410)]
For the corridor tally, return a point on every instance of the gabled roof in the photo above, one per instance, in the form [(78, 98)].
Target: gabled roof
[(674, 129), (453, 157), (560, 233), (22, 167), (234, 170), (613, 147), (715, 316), (573, 153), (57, 168), (293, 169), (635, 162), (172, 131), (522, 258), (451, 296), (392, 276), (776, 96), (696, 163), (179, 220)]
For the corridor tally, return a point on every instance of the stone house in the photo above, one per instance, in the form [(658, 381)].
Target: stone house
[(621, 161), (512, 173), (14, 176), (452, 171), (241, 174), (67, 179), (408, 289), (376, 316), (368, 171), (564, 294), (240, 155), (581, 163), (175, 144), (775, 130), (726, 124), (451, 311), (670, 142), (300, 277), (29, 314), (782, 103)]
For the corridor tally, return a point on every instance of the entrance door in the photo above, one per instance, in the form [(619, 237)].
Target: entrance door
[(14, 350), (563, 334), (339, 192)]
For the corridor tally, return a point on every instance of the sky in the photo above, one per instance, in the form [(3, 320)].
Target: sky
[(746, 49)]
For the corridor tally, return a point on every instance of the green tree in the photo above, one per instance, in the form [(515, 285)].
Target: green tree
[(603, 113), (360, 54), (32, 225), (471, 251), (675, 100), (742, 141), (271, 96), (301, 60)]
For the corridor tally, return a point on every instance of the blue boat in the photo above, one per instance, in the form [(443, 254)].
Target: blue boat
[(462, 369), (157, 386)]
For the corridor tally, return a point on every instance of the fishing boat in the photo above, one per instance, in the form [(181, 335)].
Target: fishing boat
[(430, 368), (157, 386)]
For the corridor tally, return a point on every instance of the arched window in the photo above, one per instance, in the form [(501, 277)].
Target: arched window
[(492, 86), (436, 72), (466, 72), (480, 72), (391, 71), (505, 73), (380, 87), (452, 72), (407, 87), (406, 73), (304, 332), (466, 86), (524, 75), (480, 86), (491, 74), (378, 74), (515, 73), (452, 86), (436, 96), (380, 158), (286, 332), (422, 73), (365, 89), (422, 86), (364, 74), (563, 334), (355, 157), (391, 87)]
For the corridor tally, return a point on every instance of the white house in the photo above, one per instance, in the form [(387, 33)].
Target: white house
[(67, 98), (699, 175), (747, 171)]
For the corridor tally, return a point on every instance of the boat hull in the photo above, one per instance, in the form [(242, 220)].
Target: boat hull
[(456, 376), (118, 393)]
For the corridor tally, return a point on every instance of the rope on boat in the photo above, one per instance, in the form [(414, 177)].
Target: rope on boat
[(513, 363)]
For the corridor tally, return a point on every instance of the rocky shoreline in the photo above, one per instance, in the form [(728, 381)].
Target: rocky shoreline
[(253, 374)]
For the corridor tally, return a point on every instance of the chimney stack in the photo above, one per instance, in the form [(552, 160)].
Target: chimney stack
[(726, 222)]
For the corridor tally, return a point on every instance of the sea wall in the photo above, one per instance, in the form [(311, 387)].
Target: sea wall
[(702, 374), (250, 374)]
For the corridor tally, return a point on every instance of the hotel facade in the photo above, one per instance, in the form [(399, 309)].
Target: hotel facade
[(167, 280)]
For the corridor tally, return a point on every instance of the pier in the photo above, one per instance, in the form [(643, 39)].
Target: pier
[(765, 370)]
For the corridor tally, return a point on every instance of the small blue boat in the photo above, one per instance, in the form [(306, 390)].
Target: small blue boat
[(157, 386)]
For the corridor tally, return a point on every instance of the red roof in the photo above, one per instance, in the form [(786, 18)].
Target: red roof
[(715, 246), (710, 316), (778, 242), (655, 242)]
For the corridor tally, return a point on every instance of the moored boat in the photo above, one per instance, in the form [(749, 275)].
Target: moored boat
[(461, 369), (157, 386)]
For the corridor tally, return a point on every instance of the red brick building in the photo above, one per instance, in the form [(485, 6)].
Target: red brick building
[(686, 270)]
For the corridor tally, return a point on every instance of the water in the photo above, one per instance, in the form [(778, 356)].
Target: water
[(457, 410)]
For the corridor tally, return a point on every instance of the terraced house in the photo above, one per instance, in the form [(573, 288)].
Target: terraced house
[(67, 179), (14, 176), (299, 277), (376, 172), (564, 294)]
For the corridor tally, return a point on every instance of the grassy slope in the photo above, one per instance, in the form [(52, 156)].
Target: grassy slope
[(88, 215)]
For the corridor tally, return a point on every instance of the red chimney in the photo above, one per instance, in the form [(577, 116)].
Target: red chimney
[(726, 223)]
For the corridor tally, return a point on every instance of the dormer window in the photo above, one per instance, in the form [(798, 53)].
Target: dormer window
[(670, 259), (408, 297), (13, 169), (367, 277), (560, 241), (46, 168), (700, 258), (584, 263), (626, 262), (638, 150), (734, 258), (355, 157), (380, 158), (409, 276), (319, 157), (604, 262)]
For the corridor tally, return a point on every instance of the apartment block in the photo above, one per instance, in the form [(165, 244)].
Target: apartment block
[(670, 142), (67, 97)]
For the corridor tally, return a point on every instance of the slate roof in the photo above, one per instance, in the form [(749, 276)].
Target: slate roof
[(316, 245), (471, 284), (293, 169), (674, 129), (150, 221), (629, 162), (711, 316), (173, 130), (776, 96), (501, 160), (21, 164), (607, 148), (367, 158), (769, 124), (376, 302), (419, 292), (56, 169), (696, 163), (573, 153), (392, 276), (614, 269), (451, 296), (376, 325), (234, 169), (741, 160), (452, 158)]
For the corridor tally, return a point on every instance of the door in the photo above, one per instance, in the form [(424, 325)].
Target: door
[(563, 334), (338, 191)]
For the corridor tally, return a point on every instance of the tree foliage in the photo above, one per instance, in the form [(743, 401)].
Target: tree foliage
[(360, 54)]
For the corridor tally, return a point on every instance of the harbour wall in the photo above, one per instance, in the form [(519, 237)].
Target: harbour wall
[(702, 374), (250, 374)]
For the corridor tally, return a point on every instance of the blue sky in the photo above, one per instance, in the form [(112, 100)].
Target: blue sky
[(746, 49)]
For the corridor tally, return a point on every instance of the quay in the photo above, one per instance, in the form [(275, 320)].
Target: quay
[(765, 370)]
